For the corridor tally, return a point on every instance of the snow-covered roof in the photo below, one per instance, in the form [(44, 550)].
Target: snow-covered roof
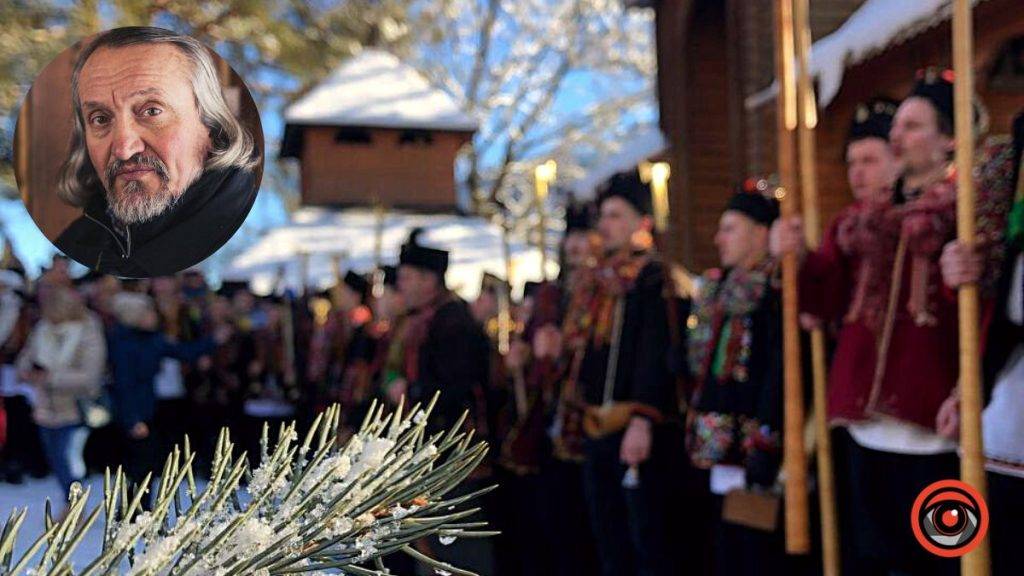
[(376, 89), (642, 145), (874, 28), (322, 233)]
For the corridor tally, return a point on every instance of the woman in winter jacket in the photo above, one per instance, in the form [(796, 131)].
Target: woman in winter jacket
[(64, 361)]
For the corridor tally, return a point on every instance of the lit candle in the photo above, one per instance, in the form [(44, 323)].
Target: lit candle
[(544, 175), (660, 172)]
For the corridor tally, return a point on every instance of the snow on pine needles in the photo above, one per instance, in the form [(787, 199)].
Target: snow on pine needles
[(318, 506)]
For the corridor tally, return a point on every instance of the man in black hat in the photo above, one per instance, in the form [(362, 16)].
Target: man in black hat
[(624, 382), (735, 360), (1003, 367), (567, 541), (488, 303), (354, 388), (897, 357), (354, 290), (828, 276), (444, 350)]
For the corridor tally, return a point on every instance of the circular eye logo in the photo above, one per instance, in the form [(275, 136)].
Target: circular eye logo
[(949, 518)]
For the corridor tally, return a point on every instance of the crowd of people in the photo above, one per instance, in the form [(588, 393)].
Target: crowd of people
[(634, 410)]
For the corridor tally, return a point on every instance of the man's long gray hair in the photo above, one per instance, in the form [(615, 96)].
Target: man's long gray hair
[(232, 145)]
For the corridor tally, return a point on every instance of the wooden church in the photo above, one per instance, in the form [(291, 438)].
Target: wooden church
[(375, 131)]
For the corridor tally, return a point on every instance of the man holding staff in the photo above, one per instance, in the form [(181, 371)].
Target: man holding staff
[(735, 360), (1003, 369), (829, 274), (897, 358)]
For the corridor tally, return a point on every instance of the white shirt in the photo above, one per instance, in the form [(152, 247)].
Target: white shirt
[(1002, 422), (891, 435)]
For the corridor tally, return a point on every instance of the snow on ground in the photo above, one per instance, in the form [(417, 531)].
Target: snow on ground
[(474, 243), (33, 494)]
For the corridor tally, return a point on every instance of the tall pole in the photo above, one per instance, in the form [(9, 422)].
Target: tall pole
[(303, 270), (336, 265), (379, 214), (22, 159), (505, 306), (794, 458), (808, 112), (972, 461), (544, 175)]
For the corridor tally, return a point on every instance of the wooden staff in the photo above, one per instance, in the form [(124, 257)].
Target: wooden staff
[(303, 270), (379, 214), (972, 461), (504, 320), (22, 159), (808, 109), (798, 539), (335, 291), (505, 315), (287, 328)]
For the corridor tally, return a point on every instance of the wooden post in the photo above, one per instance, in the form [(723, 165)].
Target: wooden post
[(336, 265), (808, 112), (22, 152), (972, 461), (505, 304), (287, 327), (303, 270), (794, 458), (380, 214)]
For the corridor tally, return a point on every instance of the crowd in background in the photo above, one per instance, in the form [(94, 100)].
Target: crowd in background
[(634, 410)]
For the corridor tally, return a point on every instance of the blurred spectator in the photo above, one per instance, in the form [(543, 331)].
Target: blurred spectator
[(136, 351), (63, 361)]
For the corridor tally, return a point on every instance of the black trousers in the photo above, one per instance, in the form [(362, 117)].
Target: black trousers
[(632, 525), (138, 458), (516, 509), (1006, 508), (735, 550), (170, 424), (565, 521), (875, 493)]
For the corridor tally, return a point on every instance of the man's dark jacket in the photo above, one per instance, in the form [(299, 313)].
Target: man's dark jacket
[(203, 219)]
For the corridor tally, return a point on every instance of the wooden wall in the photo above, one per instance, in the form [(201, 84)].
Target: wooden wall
[(713, 54), (415, 176)]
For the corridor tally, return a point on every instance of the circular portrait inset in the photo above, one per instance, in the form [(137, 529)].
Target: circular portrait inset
[(138, 152)]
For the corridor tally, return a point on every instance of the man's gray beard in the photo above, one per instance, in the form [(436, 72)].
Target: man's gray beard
[(132, 205)]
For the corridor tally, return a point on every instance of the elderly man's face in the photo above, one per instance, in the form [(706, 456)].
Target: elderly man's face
[(142, 127)]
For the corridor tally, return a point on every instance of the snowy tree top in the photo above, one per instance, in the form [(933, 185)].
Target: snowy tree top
[(874, 28), (376, 89)]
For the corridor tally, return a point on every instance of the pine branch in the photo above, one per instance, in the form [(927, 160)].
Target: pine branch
[(309, 506)]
